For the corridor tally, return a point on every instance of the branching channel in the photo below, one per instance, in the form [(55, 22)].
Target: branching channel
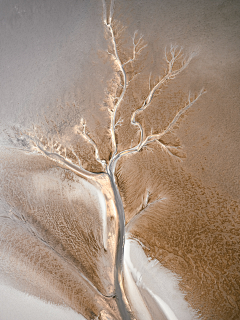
[(176, 62)]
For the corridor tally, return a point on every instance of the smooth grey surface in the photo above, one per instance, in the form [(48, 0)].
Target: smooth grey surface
[(47, 52)]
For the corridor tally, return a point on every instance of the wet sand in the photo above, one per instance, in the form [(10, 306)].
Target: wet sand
[(194, 230)]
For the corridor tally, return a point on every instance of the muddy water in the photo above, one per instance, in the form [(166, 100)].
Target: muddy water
[(55, 74)]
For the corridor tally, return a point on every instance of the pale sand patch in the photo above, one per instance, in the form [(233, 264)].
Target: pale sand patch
[(18, 305), (156, 289)]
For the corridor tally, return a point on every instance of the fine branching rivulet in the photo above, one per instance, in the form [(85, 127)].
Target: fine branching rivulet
[(176, 62)]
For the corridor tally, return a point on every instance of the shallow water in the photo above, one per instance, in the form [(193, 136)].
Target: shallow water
[(180, 195)]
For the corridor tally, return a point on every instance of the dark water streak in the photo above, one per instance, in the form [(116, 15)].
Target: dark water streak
[(120, 251)]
